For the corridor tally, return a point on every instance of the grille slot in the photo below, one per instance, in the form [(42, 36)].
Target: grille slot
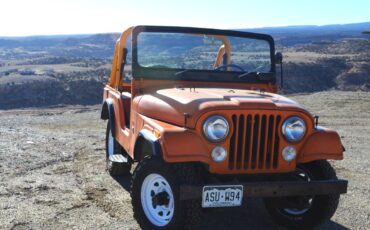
[(254, 143)]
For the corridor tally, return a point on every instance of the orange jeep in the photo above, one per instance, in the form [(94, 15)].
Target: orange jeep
[(198, 110)]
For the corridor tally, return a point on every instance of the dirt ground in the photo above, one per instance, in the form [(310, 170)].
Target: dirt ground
[(52, 170)]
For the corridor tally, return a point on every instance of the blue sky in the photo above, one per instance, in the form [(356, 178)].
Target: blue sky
[(37, 17)]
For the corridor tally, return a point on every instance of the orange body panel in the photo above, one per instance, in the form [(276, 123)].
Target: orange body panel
[(159, 106), (323, 143), (123, 134)]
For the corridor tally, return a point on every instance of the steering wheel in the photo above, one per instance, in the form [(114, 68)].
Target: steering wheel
[(223, 67)]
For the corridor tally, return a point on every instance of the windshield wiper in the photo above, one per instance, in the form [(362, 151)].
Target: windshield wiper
[(249, 74)]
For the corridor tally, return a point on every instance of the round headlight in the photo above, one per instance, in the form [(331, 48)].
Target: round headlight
[(294, 129), (216, 128)]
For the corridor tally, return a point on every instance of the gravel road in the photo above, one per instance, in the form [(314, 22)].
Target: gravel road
[(52, 170)]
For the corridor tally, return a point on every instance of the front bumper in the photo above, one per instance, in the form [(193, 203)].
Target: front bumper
[(275, 188)]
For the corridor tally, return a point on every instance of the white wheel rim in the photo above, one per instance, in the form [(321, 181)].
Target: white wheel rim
[(110, 143), (158, 214)]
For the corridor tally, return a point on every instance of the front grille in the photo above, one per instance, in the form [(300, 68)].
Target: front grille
[(254, 143)]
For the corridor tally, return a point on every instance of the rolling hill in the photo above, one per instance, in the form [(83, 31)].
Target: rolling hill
[(52, 69)]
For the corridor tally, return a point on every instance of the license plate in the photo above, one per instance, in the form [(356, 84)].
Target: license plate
[(222, 196)]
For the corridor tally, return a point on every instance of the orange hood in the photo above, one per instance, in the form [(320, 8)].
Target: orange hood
[(171, 104)]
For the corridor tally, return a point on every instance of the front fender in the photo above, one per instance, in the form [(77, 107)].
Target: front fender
[(148, 137), (177, 144), (323, 144)]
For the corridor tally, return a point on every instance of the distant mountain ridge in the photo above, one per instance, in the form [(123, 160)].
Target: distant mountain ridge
[(352, 28), (293, 35), (71, 69), (286, 36)]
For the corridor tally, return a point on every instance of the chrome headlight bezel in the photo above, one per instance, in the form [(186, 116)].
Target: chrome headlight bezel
[(210, 121), (288, 123)]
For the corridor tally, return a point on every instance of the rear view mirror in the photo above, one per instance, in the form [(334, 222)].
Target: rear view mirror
[(279, 61), (278, 58)]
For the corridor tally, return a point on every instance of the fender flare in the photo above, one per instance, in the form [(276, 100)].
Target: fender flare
[(323, 144), (147, 136), (107, 112)]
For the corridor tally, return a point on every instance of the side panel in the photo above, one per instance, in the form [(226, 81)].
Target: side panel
[(122, 134)]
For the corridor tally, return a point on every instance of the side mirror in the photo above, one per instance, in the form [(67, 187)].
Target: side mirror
[(278, 58), (279, 61)]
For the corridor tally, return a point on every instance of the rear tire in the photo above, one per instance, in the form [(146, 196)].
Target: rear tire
[(112, 147), (320, 208)]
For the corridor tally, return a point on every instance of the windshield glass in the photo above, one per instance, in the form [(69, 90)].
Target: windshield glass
[(203, 52)]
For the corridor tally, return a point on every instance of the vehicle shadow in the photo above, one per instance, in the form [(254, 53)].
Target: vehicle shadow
[(124, 181), (251, 215)]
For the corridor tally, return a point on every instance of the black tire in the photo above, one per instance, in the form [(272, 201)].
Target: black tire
[(190, 174), (115, 168), (321, 208), (186, 214)]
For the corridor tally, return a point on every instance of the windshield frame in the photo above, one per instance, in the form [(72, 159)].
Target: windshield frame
[(155, 73)]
